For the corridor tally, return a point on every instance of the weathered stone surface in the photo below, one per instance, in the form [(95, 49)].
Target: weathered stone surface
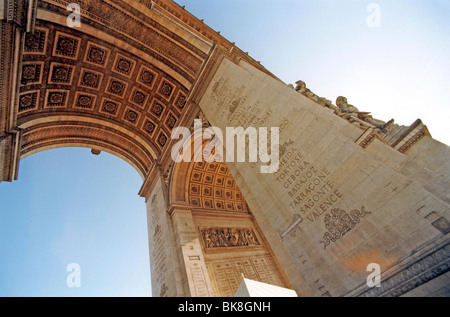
[(327, 204)]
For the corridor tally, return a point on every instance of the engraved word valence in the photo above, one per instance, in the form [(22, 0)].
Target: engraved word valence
[(338, 222), (228, 237)]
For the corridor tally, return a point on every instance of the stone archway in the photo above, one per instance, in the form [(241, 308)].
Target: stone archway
[(207, 207), (119, 83), (135, 70)]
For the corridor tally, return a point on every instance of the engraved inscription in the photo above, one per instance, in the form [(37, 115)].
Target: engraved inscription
[(309, 188), (226, 274)]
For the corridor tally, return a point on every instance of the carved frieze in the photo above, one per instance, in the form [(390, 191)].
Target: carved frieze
[(228, 237)]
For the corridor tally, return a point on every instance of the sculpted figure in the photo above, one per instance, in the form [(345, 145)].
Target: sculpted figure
[(342, 103), (301, 88), (207, 239), (352, 114), (365, 116)]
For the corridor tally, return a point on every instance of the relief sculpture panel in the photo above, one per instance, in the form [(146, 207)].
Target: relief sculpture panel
[(338, 222), (228, 237)]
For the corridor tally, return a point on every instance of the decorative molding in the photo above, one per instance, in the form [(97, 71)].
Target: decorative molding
[(418, 136), (178, 207), (60, 133), (150, 181), (405, 133), (76, 82), (206, 75), (17, 12), (9, 156), (226, 273), (416, 272), (201, 212), (365, 143)]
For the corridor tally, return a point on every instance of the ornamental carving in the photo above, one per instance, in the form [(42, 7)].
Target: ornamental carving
[(28, 101), (338, 222), (35, 42), (116, 87), (56, 98), (139, 98), (66, 70), (165, 89), (109, 107), (84, 101), (180, 101), (31, 73), (131, 116), (146, 77), (149, 126), (90, 79), (162, 139), (96, 55), (66, 46), (123, 65), (157, 109), (345, 110), (228, 237), (388, 132)]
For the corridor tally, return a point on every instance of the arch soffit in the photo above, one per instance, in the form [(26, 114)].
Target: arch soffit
[(113, 74), (67, 75)]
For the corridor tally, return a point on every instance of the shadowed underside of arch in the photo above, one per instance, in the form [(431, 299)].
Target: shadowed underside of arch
[(121, 81), (78, 87), (93, 134)]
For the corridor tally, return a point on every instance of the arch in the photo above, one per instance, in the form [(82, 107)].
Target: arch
[(68, 76), (93, 146), (135, 70), (207, 198), (63, 131), (120, 83), (230, 239), (130, 64)]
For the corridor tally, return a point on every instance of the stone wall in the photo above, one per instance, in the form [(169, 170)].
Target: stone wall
[(334, 206)]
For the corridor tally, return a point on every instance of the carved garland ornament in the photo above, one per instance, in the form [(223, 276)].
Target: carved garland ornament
[(338, 222)]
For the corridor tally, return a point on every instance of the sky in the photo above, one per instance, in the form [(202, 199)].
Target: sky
[(400, 70), (69, 206)]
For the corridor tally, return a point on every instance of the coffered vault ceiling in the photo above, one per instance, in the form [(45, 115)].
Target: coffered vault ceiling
[(65, 72), (120, 82)]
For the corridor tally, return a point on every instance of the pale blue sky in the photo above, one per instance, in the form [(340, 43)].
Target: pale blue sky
[(70, 206), (400, 70)]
